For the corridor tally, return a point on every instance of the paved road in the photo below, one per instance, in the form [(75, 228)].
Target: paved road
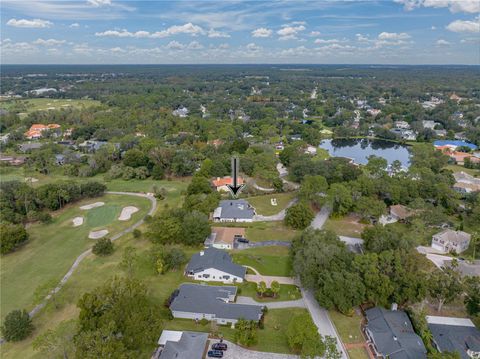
[(236, 352), (299, 303), (283, 172), (82, 256), (320, 218), (322, 320)]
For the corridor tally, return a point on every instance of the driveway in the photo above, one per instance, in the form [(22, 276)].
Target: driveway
[(354, 244), (238, 245), (322, 320), (275, 217), (320, 218), (236, 352), (257, 278), (299, 303)]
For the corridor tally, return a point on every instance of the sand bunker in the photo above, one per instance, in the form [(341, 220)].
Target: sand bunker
[(77, 221), (92, 205), (127, 213), (97, 234)]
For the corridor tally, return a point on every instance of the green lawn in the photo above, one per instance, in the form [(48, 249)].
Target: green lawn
[(348, 327), (458, 168), (345, 226), (287, 292), (264, 206), (53, 247), (274, 260), (358, 353), (45, 104)]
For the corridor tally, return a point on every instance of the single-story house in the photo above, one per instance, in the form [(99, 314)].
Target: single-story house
[(26, 147), (215, 265), (181, 345), (221, 184), (224, 237), (390, 335), (400, 213), (238, 210), (449, 240), (466, 183), (455, 335), (196, 301)]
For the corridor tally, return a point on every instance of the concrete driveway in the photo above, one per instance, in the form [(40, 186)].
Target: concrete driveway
[(236, 352), (320, 218), (299, 303), (268, 279)]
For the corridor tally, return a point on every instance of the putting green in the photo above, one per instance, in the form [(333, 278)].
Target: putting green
[(102, 216)]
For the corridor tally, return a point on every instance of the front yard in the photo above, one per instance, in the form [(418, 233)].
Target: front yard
[(263, 204), (273, 260)]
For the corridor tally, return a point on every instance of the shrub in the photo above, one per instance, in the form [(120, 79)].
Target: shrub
[(17, 326), (11, 235), (137, 233), (103, 247)]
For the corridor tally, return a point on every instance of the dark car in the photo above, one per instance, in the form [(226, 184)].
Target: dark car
[(219, 346), (242, 240), (215, 354)]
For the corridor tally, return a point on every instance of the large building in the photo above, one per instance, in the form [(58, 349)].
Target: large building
[(451, 241), (214, 303), (215, 265), (390, 335), (455, 335), (234, 210)]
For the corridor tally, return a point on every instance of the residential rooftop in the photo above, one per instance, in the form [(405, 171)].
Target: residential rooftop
[(217, 259)]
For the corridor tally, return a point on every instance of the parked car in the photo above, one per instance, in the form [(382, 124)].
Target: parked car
[(219, 346), (215, 354), (242, 240)]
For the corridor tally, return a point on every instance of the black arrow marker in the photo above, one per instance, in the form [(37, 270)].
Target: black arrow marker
[(235, 188)]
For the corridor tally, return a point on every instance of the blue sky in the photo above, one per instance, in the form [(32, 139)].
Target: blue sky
[(176, 32)]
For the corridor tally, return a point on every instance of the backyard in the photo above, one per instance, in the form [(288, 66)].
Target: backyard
[(263, 204), (272, 260), (349, 329)]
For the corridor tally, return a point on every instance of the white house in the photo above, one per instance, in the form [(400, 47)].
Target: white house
[(448, 240), (215, 265)]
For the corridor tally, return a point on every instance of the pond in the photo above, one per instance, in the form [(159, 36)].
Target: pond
[(360, 149)]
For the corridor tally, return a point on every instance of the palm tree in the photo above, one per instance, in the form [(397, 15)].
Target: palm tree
[(275, 288), (261, 288)]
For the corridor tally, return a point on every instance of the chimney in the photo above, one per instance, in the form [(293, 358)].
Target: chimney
[(202, 253)]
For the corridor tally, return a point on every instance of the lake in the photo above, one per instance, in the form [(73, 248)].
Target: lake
[(360, 149)]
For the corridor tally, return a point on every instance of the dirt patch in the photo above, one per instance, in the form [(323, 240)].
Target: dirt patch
[(92, 205), (127, 213), (77, 221), (31, 179), (97, 234)]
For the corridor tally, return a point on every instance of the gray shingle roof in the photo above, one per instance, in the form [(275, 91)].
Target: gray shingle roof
[(209, 299), (239, 209), (215, 258), (456, 338), (393, 334), (190, 346)]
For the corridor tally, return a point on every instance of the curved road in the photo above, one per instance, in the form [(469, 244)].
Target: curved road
[(82, 256)]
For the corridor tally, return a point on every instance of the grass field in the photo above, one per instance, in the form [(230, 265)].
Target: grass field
[(457, 168), (287, 292), (346, 226), (45, 104), (53, 247), (264, 206), (358, 353), (273, 260), (268, 231), (348, 327)]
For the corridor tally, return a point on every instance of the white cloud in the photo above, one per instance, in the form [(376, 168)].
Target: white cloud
[(99, 3), (252, 47), (323, 41), (290, 32), (175, 45), (214, 33), (393, 36), (49, 42), (223, 46), (362, 38), (469, 6), (35, 23), (195, 45), (262, 32), (464, 26), (74, 25), (314, 33), (434, 28), (442, 42), (188, 28)]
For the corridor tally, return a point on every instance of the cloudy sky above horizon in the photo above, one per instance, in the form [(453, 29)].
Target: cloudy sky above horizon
[(170, 32)]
